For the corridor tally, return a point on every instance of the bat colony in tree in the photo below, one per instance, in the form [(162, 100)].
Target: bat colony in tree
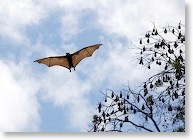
[(70, 60)]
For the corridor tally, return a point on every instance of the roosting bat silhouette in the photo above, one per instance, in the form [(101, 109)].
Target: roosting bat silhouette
[(69, 60)]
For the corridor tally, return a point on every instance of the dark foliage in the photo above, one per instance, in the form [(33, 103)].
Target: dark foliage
[(159, 105)]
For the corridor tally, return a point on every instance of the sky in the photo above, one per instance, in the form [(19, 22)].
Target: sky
[(35, 98)]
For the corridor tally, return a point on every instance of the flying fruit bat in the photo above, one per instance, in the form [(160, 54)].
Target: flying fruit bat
[(69, 60)]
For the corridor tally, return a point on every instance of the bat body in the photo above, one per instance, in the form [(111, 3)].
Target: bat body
[(69, 60)]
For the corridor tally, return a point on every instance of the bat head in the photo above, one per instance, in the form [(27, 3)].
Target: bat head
[(67, 54)]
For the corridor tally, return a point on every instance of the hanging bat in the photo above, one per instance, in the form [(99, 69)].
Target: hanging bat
[(70, 60)]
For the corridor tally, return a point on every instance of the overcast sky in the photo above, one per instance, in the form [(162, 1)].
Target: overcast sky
[(34, 97)]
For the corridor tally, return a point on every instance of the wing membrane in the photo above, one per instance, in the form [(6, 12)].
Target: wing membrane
[(53, 61), (83, 53)]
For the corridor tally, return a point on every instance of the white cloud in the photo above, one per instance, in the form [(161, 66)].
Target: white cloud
[(19, 106), (70, 26), (118, 18), (132, 18), (110, 65), (127, 19), (16, 16), (63, 87), (80, 114), (67, 90)]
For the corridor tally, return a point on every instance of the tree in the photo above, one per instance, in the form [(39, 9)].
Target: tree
[(159, 104)]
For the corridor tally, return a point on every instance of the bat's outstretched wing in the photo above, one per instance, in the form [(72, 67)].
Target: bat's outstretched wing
[(83, 53), (64, 61), (56, 60)]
